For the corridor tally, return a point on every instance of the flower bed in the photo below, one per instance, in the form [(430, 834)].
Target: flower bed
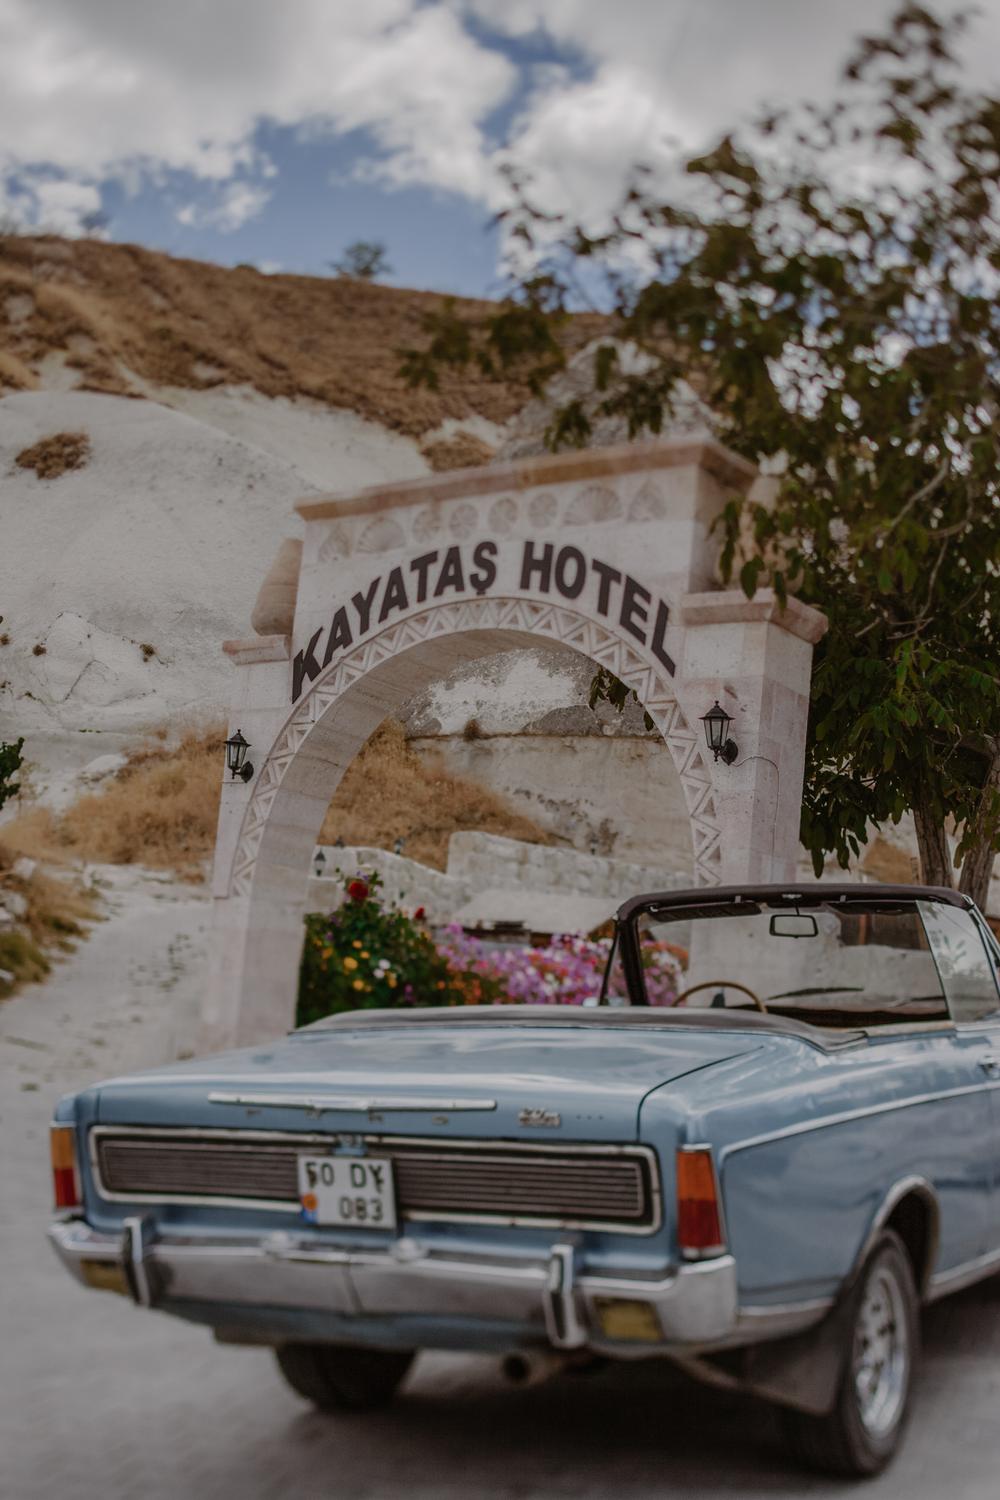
[(368, 955)]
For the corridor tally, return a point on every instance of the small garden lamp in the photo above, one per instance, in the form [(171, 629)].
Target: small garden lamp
[(717, 723), (319, 864), (236, 756)]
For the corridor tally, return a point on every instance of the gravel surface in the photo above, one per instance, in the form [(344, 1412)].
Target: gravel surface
[(100, 1399)]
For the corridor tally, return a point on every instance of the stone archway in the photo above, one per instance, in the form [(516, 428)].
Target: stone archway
[(606, 554)]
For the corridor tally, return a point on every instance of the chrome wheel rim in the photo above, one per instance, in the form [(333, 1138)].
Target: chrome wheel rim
[(881, 1355)]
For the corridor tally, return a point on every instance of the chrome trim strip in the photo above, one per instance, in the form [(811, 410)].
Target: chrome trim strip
[(964, 1275), (775, 1311), (325, 1142), (318, 1104), (805, 1126), (900, 1190)]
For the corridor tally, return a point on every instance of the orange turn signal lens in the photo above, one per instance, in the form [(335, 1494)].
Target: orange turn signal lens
[(65, 1175), (699, 1220)]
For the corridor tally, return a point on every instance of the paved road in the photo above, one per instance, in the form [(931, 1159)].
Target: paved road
[(98, 1399)]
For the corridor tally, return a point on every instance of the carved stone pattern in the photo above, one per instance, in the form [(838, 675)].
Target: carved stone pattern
[(556, 622)]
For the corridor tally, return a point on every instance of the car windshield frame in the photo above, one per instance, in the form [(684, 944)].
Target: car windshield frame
[(724, 901)]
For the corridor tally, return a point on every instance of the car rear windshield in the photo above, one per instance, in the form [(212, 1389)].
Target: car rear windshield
[(831, 963)]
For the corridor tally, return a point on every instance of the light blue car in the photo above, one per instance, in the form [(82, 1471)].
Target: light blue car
[(761, 1179)]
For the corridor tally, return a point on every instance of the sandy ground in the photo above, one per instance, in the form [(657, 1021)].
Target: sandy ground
[(101, 1401)]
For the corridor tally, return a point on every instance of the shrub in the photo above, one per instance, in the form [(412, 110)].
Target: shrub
[(366, 955), (11, 761), (54, 455)]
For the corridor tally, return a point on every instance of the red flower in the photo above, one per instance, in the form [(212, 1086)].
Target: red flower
[(358, 890), (419, 914)]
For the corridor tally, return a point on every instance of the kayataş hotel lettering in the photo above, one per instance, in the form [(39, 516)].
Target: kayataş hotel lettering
[(542, 568)]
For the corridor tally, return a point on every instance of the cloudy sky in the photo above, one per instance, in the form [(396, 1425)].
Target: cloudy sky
[(278, 131)]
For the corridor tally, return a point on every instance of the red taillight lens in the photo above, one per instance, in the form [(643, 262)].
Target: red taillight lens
[(699, 1222), (65, 1176)]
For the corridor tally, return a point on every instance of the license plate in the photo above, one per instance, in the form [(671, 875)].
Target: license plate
[(347, 1190)]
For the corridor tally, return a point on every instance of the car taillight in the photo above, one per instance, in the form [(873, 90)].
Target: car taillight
[(699, 1219), (65, 1175)]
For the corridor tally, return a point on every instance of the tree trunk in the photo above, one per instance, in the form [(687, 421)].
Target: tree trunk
[(977, 863), (932, 842)]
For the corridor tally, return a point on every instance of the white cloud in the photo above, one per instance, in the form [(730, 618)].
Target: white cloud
[(133, 89), (53, 205), (679, 73), (237, 203), (114, 88)]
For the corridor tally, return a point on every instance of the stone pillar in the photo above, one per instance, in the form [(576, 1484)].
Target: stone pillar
[(756, 659), (259, 707)]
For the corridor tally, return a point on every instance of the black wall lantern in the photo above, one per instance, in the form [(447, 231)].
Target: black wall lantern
[(717, 723), (236, 757)]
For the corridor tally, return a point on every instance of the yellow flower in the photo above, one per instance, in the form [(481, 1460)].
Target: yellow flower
[(350, 963), (391, 981), (356, 943), (359, 984), (365, 953), (327, 952)]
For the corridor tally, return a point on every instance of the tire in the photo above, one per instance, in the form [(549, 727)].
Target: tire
[(344, 1377), (859, 1436)]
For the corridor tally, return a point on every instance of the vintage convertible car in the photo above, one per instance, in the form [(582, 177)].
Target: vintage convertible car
[(761, 1180)]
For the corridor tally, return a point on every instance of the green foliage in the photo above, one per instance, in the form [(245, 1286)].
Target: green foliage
[(829, 289), (364, 260), (368, 956), (11, 761), (605, 687), (521, 338)]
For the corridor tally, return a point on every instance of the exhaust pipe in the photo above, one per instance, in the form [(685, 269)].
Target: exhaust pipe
[(524, 1367)]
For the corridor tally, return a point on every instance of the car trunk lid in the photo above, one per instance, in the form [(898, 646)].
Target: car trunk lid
[(580, 1083)]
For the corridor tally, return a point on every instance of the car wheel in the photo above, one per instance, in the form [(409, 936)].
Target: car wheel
[(342, 1377), (861, 1433)]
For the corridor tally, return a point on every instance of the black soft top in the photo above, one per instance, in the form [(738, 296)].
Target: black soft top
[(793, 893)]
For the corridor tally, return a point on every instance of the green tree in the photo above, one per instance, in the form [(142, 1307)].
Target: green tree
[(11, 762), (364, 260), (827, 283)]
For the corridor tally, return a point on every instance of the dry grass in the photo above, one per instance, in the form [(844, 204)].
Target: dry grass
[(54, 455), (161, 809), (115, 310), (57, 914), (893, 866), (462, 451), (390, 792)]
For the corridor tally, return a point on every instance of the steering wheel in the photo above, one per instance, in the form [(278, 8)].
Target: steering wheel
[(725, 984)]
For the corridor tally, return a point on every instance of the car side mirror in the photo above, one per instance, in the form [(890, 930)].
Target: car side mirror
[(793, 924)]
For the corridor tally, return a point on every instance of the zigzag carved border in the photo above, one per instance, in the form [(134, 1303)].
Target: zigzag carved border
[(548, 621)]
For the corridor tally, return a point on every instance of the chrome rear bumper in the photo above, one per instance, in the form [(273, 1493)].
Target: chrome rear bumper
[(695, 1306)]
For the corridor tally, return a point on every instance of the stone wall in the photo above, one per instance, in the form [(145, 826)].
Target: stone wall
[(481, 863), (519, 722)]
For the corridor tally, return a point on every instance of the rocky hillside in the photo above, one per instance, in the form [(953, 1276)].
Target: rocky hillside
[(126, 321), (158, 419)]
